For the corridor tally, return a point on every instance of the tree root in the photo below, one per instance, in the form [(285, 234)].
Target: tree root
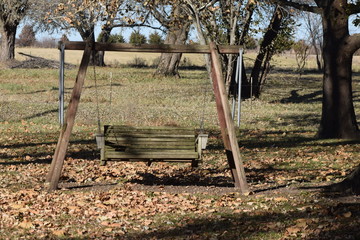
[(350, 185)]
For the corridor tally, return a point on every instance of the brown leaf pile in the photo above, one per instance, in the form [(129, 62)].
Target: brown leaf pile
[(172, 201)]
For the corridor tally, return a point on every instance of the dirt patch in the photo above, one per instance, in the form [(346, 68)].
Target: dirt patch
[(194, 189), (34, 62)]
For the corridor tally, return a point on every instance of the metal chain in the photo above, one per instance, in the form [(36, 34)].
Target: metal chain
[(97, 94), (202, 117)]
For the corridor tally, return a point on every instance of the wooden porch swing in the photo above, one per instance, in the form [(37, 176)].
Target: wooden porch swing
[(152, 143)]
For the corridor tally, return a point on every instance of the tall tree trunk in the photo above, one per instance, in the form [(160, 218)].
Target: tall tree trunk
[(269, 36), (177, 34), (313, 27), (105, 35), (86, 35), (318, 55), (234, 37), (338, 118), (245, 83), (8, 33), (169, 62)]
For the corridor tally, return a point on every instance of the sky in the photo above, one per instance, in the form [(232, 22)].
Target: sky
[(74, 36)]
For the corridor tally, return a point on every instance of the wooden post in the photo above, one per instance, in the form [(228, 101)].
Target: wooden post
[(63, 142), (226, 123)]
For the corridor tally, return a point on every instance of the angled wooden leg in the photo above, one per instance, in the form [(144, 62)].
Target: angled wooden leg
[(61, 148), (226, 123), (102, 156)]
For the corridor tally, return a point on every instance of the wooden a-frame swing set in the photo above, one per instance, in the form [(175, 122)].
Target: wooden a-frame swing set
[(227, 127)]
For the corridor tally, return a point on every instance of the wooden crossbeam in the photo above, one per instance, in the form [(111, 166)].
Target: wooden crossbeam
[(152, 48)]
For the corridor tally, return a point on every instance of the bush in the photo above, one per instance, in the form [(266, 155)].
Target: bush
[(137, 38), (137, 62)]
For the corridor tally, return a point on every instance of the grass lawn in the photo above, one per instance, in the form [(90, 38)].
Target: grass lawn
[(285, 163)]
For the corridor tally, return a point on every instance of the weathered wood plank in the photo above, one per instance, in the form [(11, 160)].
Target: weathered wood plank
[(152, 48), (149, 155), (226, 122), (63, 142)]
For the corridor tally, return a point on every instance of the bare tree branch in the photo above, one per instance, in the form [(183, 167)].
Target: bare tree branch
[(207, 5), (299, 6), (139, 25), (353, 41), (354, 8)]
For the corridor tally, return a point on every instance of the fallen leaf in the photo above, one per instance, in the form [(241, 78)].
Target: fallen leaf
[(280, 199), (293, 230), (59, 233), (302, 223), (347, 214), (26, 224)]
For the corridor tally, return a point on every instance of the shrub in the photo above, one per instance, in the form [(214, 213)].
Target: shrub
[(137, 62)]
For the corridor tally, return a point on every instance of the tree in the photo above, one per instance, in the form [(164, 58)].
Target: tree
[(27, 36), (82, 16), (314, 33), (277, 37), (155, 38), (338, 118), (11, 13), (301, 49), (116, 38), (136, 37), (232, 22), (172, 17)]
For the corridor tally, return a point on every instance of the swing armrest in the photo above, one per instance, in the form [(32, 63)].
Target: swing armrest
[(201, 141)]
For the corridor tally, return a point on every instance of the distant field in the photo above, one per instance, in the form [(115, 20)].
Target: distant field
[(112, 58), (286, 60)]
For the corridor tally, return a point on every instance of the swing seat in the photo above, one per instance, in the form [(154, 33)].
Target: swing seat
[(151, 144)]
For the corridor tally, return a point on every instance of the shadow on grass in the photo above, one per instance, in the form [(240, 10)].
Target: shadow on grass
[(254, 225), (185, 178), (306, 98), (41, 114), (89, 154), (90, 187)]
